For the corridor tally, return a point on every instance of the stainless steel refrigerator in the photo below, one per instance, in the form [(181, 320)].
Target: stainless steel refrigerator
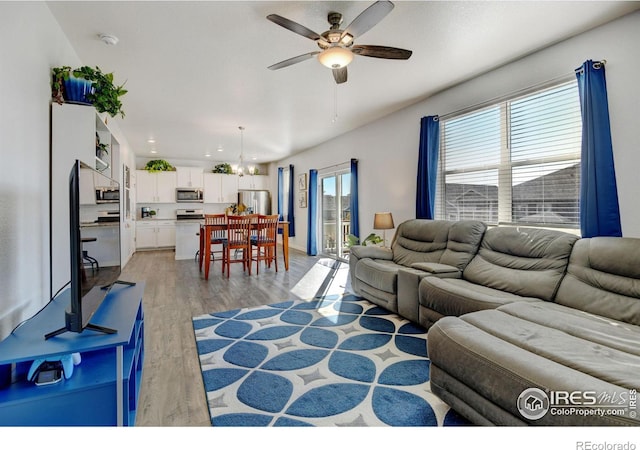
[(257, 201)]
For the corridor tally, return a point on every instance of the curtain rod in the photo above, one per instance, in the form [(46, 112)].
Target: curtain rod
[(558, 79), (337, 165)]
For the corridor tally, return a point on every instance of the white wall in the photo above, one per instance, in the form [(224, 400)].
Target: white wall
[(31, 42), (24, 144), (387, 149)]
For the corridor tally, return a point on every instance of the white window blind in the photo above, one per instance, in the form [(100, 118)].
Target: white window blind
[(514, 162)]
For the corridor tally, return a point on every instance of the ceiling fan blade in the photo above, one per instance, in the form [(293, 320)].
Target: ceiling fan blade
[(368, 18), (340, 75), (378, 51), (294, 60), (295, 27)]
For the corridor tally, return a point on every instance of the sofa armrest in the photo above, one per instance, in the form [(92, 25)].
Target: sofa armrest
[(409, 283), (435, 268), (363, 251)]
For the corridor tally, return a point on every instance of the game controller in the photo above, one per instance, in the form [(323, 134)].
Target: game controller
[(67, 361)]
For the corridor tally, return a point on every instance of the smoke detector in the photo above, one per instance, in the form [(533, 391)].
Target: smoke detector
[(109, 39)]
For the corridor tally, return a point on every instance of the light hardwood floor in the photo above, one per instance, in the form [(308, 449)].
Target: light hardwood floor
[(172, 393)]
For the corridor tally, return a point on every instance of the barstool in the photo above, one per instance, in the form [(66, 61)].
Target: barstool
[(90, 260)]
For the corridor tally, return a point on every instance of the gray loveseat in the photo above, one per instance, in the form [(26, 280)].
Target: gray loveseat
[(536, 322), (419, 248)]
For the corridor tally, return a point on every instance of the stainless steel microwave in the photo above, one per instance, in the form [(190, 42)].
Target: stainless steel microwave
[(107, 195), (189, 195)]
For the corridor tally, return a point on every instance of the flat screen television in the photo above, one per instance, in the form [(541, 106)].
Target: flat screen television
[(94, 248)]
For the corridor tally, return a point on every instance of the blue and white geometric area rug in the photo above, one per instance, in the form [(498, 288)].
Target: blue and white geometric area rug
[(338, 361)]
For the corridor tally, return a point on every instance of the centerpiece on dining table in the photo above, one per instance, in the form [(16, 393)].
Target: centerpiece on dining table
[(236, 209)]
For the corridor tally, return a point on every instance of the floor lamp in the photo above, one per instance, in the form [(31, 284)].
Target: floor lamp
[(383, 221)]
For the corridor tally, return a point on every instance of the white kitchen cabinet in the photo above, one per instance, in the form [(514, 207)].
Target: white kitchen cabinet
[(220, 188), (258, 182), (189, 177), (155, 234), (155, 187)]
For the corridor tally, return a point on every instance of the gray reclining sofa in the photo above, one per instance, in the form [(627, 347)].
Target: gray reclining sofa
[(538, 328), (419, 248)]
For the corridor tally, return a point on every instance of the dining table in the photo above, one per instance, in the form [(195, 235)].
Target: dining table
[(205, 236)]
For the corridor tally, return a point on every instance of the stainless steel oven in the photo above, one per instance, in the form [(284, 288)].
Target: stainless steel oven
[(189, 195)]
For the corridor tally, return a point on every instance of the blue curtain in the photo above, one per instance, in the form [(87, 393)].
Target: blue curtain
[(599, 209), (312, 225), (280, 192), (292, 223), (354, 224), (427, 167)]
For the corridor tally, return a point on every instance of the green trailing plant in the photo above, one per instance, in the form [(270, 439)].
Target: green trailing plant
[(105, 96), (223, 168), (100, 147), (58, 77), (355, 240), (159, 165)]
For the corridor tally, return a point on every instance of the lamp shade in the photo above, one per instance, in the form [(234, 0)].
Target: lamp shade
[(335, 57), (383, 221)]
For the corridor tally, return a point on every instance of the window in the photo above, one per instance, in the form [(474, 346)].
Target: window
[(514, 162)]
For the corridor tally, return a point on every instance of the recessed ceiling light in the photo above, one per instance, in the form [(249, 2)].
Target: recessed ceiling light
[(153, 151), (151, 141), (254, 158), (207, 155), (220, 148)]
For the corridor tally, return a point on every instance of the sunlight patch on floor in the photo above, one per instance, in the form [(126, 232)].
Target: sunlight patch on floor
[(326, 277)]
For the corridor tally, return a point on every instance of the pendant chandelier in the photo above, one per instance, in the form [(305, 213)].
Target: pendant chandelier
[(241, 167)]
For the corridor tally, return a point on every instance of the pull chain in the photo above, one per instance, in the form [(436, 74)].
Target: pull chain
[(335, 103)]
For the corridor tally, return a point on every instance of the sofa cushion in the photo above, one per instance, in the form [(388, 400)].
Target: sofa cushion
[(454, 297), (435, 267), (497, 354), (603, 278), (528, 262), (379, 274), (463, 242), (420, 240)]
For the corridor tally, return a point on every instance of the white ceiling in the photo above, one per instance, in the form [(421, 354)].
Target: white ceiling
[(196, 71)]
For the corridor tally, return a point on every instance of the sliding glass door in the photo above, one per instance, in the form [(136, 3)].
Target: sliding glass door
[(336, 216)]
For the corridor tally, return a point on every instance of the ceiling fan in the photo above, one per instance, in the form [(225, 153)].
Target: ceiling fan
[(337, 46)]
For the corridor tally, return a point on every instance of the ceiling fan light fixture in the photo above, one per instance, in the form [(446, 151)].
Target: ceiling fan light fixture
[(335, 57)]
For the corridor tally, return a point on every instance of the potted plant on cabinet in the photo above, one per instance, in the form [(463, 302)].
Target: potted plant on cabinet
[(89, 86), (223, 168), (102, 150), (159, 165)]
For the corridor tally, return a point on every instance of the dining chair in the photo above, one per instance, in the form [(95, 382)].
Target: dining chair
[(264, 239), (238, 233), (215, 227)]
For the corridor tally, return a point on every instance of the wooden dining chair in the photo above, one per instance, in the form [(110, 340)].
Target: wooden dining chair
[(215, 227), (263, 240), (238, 233)]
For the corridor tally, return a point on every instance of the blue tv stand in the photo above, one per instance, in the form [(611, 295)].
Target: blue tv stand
[(104, 388)]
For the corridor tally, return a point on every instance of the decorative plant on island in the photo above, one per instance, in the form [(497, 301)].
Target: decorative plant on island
[(97, 89)]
